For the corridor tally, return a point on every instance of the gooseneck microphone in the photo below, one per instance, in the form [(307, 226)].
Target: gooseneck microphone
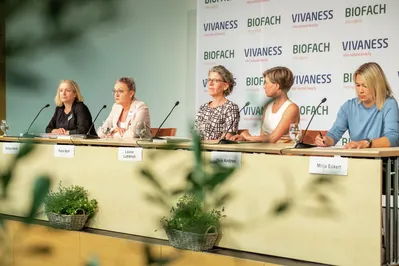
[(300, 144), (26, 134), (88, 136), (223, 140), (156, 134)]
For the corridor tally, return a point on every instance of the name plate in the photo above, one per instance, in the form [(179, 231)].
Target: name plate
[(227, 159), (11, 148), (130, 154), (328, 165), (64, 151)]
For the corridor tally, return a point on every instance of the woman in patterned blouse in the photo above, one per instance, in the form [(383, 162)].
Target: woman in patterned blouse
[(220, 115)]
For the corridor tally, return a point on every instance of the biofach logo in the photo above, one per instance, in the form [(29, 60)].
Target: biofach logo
[(263, 21), (216, 1), (348, 78), (254, 81), (311, 109), (312, 16), (263, 51), (307, 48), (380, 43), (313, 79), (218, 54), (368, 10), (221, 25)]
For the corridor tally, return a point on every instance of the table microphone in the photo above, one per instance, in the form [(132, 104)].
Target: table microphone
[(300, 144), (88, 136), (26, 134), (156, 134), (226, 141)]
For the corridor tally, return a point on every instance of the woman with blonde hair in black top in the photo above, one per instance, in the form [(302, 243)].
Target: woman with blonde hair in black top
[(71, 115)]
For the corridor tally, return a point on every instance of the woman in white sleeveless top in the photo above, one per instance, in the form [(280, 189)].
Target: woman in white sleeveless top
[(279, 113)]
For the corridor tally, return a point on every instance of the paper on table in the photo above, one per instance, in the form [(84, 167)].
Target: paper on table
[(330, 147)]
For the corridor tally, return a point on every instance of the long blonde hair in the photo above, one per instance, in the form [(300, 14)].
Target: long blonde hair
[(375, 81), (75, 88)]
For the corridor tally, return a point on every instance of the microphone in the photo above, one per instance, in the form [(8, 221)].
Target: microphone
[(156, 134), (301, 145), (26, 134), (226, 141), (88, 136)]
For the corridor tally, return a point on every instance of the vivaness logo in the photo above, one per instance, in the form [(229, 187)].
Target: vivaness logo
[(311, 19), (310, 109), (307, 82), (253, 112), (219, 27), (313, 79), (219, 54), (260, 54), (351, 48)]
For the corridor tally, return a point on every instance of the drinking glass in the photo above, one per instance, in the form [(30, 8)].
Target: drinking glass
[(4, 127), (141, 129), (295, 132), (106, 131)]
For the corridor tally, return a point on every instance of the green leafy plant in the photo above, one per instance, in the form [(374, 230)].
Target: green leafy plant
[(190, 216), (70, 200)]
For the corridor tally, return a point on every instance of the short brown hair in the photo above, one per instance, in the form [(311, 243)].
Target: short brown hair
[(131, 85), (282, 76), (227, 77), (75, 88)]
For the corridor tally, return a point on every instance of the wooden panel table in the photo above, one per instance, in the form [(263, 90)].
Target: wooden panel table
[(346, 231)]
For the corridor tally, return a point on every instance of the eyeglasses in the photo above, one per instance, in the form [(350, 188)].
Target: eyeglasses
[(214, 81), (119, 92)]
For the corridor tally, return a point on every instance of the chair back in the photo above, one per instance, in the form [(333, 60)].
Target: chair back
[(311, 135), (164, 132)]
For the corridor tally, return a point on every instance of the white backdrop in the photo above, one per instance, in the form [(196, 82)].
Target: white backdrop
[(322, 42)]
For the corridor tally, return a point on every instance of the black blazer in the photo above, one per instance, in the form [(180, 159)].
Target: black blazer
[(78, 121)]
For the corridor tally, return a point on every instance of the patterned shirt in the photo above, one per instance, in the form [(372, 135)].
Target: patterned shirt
[(212, 123)]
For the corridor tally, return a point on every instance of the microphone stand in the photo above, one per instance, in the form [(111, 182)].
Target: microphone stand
[(88, 136), (301, 145), (227, 141), (156, 134), (27, 134)]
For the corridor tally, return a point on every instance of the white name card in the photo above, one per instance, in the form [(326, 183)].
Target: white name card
[(11, 148), (130, 154), (64, 151), (328, 165), (227, 159)]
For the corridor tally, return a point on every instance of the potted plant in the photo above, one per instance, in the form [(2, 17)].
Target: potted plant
[(69, 207), (190, 226)]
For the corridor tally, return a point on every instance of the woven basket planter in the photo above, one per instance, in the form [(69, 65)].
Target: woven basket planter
[(67, 222), (192, 241)]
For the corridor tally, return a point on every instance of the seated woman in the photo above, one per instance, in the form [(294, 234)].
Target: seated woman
[(371, 118), (129, 117), (280, 112), (220, 115), (71, 115)]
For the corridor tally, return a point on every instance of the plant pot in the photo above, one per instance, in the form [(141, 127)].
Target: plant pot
[(67, 222), (192, 241)]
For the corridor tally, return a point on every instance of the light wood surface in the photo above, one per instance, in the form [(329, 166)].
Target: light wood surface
[(268, 148), (352, 236)]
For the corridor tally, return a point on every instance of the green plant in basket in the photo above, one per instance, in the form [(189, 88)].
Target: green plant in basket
[(72, 200), (190, 216)]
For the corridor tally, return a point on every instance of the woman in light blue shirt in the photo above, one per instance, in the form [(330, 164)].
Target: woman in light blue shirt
[(372, 118)]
